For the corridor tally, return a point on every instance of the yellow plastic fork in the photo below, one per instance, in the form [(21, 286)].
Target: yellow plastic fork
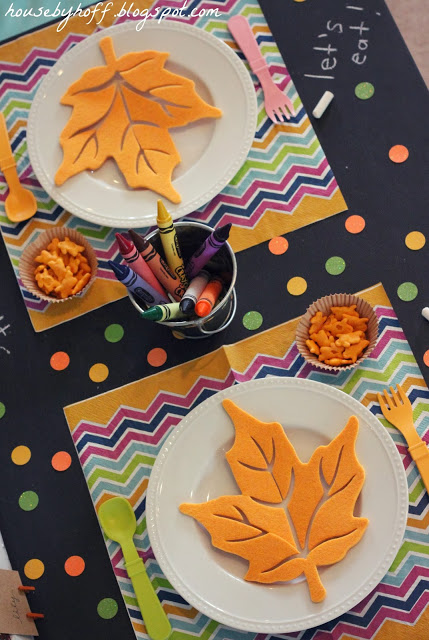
[(399, 412)]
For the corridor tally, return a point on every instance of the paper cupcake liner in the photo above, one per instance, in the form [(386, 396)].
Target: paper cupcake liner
[(324, 305), (27, 262)]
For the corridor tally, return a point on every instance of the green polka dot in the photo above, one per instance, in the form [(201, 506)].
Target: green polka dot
[(252, 320), (407, 291), (364, 90), (107, 608), (335, 265), (2, 409), (28, 500), (114, 333)]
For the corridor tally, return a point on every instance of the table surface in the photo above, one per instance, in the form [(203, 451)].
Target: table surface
[(356, 136)]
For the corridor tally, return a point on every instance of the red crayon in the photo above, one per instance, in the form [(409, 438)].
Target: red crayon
[(158, 266), (136, 262)]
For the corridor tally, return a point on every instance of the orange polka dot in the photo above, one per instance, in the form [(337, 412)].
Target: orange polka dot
[(21, 455), (60, 360), (398, 153), (278, 245), (355, 224), (61, 461), (98, 372), (426, 358), (74, 566), (157, 357)]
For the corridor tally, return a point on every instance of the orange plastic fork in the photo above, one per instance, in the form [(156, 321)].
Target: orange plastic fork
[(399, 412)]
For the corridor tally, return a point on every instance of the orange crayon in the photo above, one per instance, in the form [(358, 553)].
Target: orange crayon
[(35, 616), (209, 296)]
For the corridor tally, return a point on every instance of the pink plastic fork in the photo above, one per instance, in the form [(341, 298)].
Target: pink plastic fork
[(277, 105)]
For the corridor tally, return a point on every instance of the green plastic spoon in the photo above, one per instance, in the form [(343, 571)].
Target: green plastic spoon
[(119, 524)]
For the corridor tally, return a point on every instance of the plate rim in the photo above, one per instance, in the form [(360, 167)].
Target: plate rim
[(170, 25), (337, 609)]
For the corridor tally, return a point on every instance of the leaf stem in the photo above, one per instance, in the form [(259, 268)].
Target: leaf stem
[(315, 586), (106, 46)]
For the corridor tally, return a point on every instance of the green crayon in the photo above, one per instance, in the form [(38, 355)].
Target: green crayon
[(162, 312)]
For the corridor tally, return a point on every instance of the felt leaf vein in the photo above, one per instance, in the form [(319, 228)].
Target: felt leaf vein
[(315, 524)]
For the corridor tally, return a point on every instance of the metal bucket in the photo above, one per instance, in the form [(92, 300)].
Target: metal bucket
[(191, 235)]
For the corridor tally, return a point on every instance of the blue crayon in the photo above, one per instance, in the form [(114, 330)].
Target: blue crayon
[(210, 246), (136, 285)]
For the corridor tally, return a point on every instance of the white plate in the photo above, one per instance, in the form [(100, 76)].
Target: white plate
[(191, 467), (212, 150)]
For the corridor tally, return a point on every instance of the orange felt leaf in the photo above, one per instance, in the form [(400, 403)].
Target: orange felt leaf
[(317, 527), (261, 458), (123, 111)]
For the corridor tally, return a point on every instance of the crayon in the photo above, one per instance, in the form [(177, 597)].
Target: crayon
[(35, 616), (208, 297), (130, 253), (193, 292), (210, 246), (170, 243), (158, 266), (164, 312), (135, 284)]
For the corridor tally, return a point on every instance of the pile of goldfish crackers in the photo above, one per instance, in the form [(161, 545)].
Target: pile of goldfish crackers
[(63, 270), (340, 338)]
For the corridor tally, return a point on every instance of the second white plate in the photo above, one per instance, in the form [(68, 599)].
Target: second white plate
[(212, 151), (191, 467)]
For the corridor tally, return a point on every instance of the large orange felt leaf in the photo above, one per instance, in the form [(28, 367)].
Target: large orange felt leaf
[(317, 525), (123, 111)]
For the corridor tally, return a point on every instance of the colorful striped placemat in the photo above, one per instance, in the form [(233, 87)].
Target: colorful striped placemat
[(285, 183), (119, 434)]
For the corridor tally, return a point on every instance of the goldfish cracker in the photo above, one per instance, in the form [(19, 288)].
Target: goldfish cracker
[(322, 338), (358, 324), (68, 246), (340, 312), (338, 326), (336, 362), (355, 350), (313, 347), (346, 339), (327, 353), (317, 322)]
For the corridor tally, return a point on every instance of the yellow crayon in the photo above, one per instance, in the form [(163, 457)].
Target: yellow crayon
[(170, 243)]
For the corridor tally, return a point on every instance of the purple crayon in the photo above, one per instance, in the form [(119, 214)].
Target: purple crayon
[(210, 246), (136, 285)]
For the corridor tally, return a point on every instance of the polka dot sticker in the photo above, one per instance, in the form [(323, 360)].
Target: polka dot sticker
[(355, 224), (426, 358), (61, 461), (364, 90), (98, 372), (114, 333), (335, 265), (107, 608), (398, 153), (21, 455), (74, 566), (60, 360), (252, 320), (297, 286), (278, 245), (415, 240), (2, 409), (34, 569), (407, 291), (28, 500), (157, 357)]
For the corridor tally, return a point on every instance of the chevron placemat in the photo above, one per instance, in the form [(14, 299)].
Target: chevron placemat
[(119, 434), (286, 182)]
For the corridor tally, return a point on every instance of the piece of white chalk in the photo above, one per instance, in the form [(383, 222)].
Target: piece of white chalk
[(425, 313), (323, 104)]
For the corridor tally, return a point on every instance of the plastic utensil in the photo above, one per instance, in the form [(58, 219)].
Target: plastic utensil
[(277, 105), (20, 203), (118, 521), (399, 412)]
